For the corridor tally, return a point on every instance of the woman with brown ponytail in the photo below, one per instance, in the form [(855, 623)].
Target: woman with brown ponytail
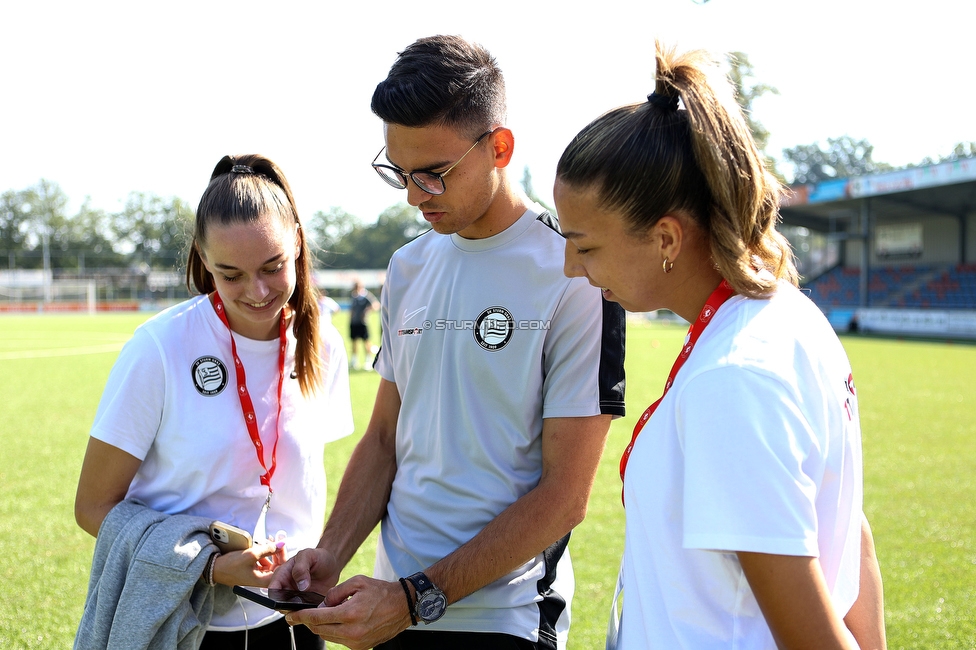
[(218, 408), (742, 484)]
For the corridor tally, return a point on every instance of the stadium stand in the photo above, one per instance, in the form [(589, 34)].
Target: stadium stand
[(900, 249), (924, 287)]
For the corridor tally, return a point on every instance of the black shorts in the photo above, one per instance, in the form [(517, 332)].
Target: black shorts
[(267, 637), (358, 331)]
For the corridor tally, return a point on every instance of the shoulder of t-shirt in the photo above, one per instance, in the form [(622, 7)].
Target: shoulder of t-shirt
[(176, 321), (767, 334), (176, 312), (546, 218), (418, 244)]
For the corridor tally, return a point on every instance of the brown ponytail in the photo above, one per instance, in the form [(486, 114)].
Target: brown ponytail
[(242, 189), (649, 159)]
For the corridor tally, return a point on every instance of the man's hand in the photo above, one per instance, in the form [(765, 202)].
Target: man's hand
[(312, 569), (360, 613)]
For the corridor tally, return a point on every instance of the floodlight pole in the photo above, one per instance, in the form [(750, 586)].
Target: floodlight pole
[(45, 237)]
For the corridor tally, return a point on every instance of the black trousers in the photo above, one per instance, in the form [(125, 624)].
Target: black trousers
[(423, 640), (273, 636)]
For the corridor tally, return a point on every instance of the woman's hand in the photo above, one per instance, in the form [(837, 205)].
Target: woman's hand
[(252, 567)]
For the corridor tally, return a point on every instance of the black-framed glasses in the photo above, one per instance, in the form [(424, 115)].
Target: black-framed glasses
[(430, 182)]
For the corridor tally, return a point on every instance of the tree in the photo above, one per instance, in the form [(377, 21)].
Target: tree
[(530, 191), (326, 231), (13, 226), (33, 223), (371, 246), (153, 231), (961, 150), (31, 215), (747, 90), (92, 239), (843, 157)]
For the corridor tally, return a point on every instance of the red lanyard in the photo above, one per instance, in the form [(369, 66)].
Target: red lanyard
[(247, 407), (723, 292)]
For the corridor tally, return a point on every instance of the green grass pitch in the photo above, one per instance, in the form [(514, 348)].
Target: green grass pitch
[(918, 410)]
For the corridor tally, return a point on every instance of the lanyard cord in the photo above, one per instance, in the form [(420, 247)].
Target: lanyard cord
[(247, 407), (722, 293)]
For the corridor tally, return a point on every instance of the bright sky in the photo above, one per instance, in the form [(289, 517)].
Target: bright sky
[(105, 97)]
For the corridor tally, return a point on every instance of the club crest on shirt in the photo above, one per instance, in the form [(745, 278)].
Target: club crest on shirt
[(493, 329), (209, 376)]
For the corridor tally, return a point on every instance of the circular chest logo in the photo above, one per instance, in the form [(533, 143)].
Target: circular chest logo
[(493, 329), (209, 375)]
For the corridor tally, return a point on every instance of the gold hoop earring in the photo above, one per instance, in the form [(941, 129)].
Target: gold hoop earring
[(667, 267)]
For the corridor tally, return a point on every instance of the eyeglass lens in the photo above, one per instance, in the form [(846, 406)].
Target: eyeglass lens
[(391, 176), (428, 182)]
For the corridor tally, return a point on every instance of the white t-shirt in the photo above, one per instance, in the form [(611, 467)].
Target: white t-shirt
[(756, 447), (328, 307), (485, 338), (171, 401)]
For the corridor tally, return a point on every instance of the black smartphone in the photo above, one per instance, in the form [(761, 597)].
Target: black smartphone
[(280, 599)]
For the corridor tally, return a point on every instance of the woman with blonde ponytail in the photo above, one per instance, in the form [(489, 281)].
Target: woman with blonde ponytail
[(743, 482), (215, 415)]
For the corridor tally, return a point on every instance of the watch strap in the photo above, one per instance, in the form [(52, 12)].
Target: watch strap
[(420, 582), (430, 601)]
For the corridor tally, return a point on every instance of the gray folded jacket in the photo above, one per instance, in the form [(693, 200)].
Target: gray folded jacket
[(145, 589)]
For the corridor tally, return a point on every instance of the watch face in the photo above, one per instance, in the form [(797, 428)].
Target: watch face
[(431, 605)]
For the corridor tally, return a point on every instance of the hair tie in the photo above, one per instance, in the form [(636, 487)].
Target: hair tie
[(664, 102), (241, 169)]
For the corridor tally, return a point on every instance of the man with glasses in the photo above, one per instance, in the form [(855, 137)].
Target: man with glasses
[(499, 380), (430, 182)]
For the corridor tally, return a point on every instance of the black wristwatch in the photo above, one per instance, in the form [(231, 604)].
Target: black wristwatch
[(431, 601)]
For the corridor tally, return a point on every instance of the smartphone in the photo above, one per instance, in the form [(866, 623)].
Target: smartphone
[(280, 599), (229, 538)]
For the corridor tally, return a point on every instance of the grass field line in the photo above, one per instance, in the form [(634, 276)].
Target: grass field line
[(48, 335), (61, 352)]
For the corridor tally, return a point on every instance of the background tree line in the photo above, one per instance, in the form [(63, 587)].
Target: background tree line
[(839, 157), (151, 232)]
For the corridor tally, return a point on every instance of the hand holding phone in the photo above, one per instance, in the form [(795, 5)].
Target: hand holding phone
[(229, 538), (280, 599)]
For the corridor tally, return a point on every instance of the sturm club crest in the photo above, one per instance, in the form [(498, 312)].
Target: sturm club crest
[(493, 329), (209, 375)]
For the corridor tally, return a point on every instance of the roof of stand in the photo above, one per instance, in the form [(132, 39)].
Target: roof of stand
[(945, 189)]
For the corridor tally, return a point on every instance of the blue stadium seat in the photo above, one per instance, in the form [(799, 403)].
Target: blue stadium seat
[(924, 286)]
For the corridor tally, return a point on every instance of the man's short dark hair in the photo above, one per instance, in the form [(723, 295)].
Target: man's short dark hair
[(443, 80)]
